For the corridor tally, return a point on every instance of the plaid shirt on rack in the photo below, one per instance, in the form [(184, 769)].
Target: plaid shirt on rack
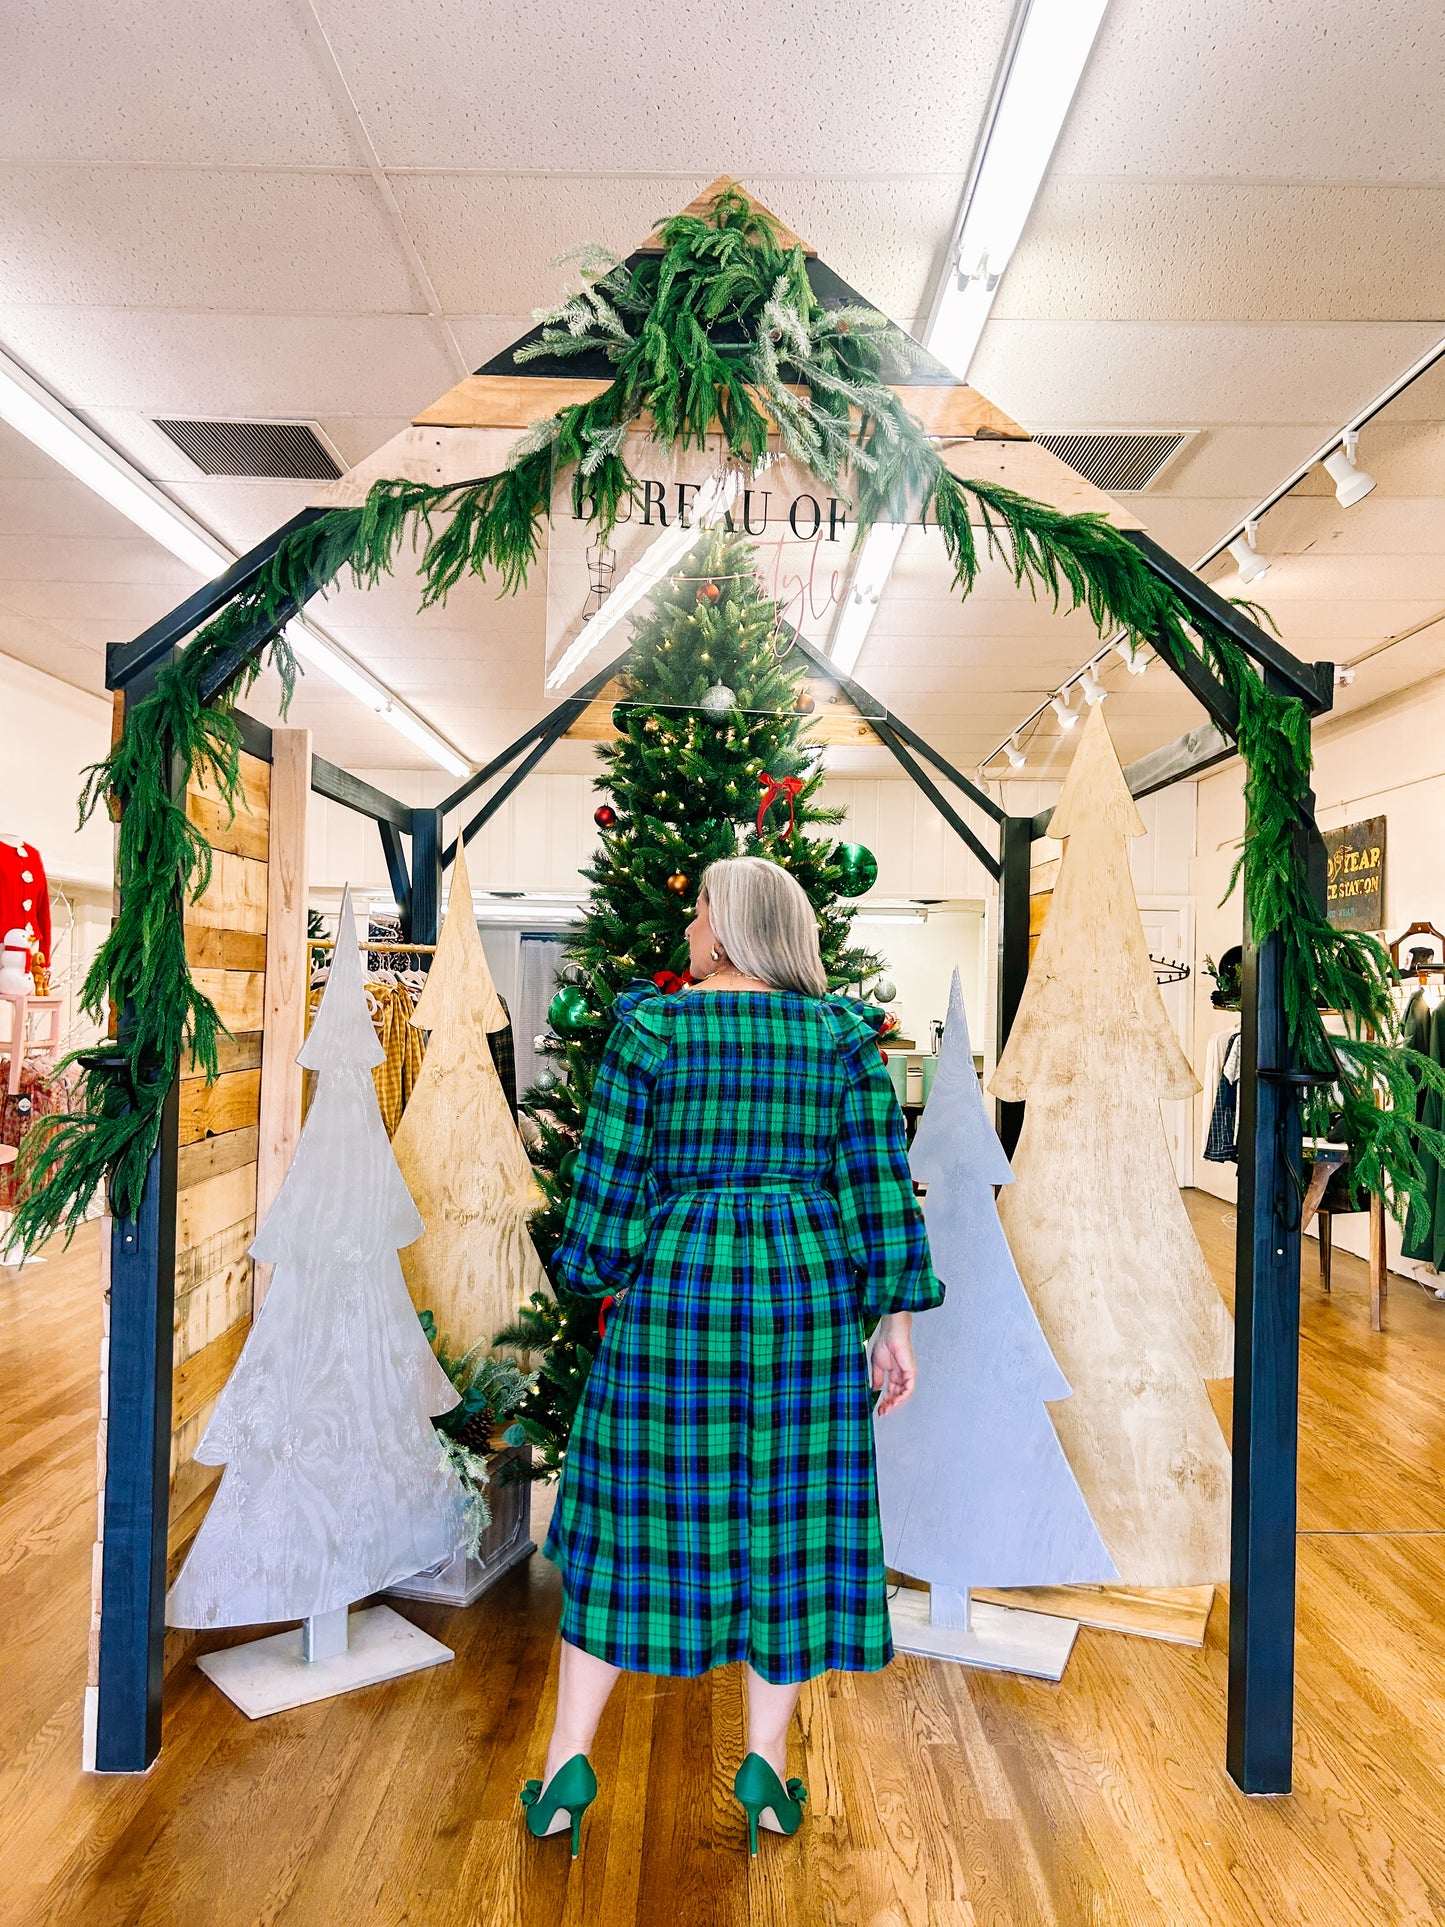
[(743, 1177)]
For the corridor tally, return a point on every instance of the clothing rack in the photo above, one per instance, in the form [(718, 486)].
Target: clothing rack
[(414, 949)]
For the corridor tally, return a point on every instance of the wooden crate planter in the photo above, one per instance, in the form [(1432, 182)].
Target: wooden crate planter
[(506, 1542)]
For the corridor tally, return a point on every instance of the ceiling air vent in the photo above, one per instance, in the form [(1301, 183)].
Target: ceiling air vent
[(1118, 463), (278, 451)]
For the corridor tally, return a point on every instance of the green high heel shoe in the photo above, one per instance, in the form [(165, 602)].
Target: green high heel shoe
[(758, 1790), (572, 1787)]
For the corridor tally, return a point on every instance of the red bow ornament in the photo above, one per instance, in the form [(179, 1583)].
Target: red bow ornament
[(669, 983), (774, 787)]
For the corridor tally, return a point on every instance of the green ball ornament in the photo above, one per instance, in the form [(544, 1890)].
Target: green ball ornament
[(859, 867), (568, 1013), (566, 1166)]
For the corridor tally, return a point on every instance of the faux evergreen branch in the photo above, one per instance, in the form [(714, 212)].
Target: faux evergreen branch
[(721, 328)]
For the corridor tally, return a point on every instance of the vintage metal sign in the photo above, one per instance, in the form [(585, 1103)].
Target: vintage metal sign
[(1356, 893)]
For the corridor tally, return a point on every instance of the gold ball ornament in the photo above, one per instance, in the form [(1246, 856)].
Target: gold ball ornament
[(678, 883)]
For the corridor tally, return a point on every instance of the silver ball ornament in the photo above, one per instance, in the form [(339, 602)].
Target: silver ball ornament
[(884, 991), (718, 700), (546, 1079)]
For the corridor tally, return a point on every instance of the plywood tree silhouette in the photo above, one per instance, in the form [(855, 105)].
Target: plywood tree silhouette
[(973, 1487), (459, 1150), (1095, 1220)]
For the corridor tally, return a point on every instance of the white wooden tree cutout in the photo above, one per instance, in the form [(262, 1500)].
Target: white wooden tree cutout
[(973, 1486), (459, 1149), (334, 1484), (1095, 1220)]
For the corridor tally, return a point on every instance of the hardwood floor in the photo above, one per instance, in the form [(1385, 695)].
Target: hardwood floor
[(940, 1797)]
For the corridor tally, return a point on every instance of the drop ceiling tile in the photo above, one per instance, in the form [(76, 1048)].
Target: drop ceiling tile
[(1292, 91), (136, 81), (489, 241), (48, 646), (92, 559), (200, 238), (241, 366), (627, 92), (1156, 374), (1302, 251)]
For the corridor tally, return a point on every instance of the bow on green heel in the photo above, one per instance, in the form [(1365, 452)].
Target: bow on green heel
[(571, 1790), (759, 1790)]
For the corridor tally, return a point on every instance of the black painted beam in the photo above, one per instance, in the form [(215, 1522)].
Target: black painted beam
[(930, 789), (396, 869), (1015, 857), (871, 710), (558, 723), (422, 920), (474, 782), (1312, 682), (1260, 1724), (340, 786), (125, 660), (138, 1467)]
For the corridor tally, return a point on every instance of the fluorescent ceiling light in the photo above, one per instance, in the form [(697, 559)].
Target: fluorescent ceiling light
[(714, 499), (58, 433), (870, 576), (1043, 77)]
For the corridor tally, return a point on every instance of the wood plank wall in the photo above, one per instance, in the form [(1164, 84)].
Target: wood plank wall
[(216, 1167)]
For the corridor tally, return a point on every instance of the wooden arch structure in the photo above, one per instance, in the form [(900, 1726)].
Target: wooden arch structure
[(468, 433)]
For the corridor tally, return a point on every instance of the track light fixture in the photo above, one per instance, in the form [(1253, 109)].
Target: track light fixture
[(1094, 690), (1060, 706), (1016, 756), (1132, 655), (1252, 565), (1352, 484)]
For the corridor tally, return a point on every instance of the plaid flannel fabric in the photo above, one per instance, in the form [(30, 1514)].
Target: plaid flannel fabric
[(743, 1178)]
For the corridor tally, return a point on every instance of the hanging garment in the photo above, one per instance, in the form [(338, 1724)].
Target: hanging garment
[(24, 894), (504, 1056), (391, 1006), (1424, 1031), (43, 1091), (396, 1075), (1221, 1075)]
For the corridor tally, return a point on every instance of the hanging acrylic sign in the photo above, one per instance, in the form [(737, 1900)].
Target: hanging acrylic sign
[(706, 546)]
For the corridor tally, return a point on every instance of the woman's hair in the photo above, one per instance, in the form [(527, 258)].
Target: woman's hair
[(765, 923)]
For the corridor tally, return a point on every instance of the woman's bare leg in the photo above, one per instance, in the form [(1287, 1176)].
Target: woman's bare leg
[(584, 1684), (770, 1711)]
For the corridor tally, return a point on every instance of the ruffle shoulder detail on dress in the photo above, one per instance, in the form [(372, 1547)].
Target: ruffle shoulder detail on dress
[(642, 1020), (855, 1026)]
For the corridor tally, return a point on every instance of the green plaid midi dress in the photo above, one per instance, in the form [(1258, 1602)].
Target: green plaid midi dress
[(743, 1178)]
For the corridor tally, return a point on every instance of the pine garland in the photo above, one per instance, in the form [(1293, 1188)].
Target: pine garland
[(721, 328)]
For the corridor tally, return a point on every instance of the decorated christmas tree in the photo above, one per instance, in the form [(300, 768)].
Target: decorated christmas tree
[(1095, 1220), (973, 1486), (334, 1485), (711, 760), (458, 1148)]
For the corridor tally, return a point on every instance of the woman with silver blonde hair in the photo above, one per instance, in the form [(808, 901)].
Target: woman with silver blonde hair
[(742, 1193)]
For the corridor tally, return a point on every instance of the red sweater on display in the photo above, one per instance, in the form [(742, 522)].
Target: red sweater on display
[(24, 894)]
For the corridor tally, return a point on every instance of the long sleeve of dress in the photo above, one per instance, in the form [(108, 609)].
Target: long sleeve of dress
[(882, 1222), (613, 1190)]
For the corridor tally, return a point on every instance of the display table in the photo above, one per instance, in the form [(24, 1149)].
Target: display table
[(20, 1044), (1329, 1194)]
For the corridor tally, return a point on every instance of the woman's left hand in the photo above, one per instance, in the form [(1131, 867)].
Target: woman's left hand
[(892, 1359)]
